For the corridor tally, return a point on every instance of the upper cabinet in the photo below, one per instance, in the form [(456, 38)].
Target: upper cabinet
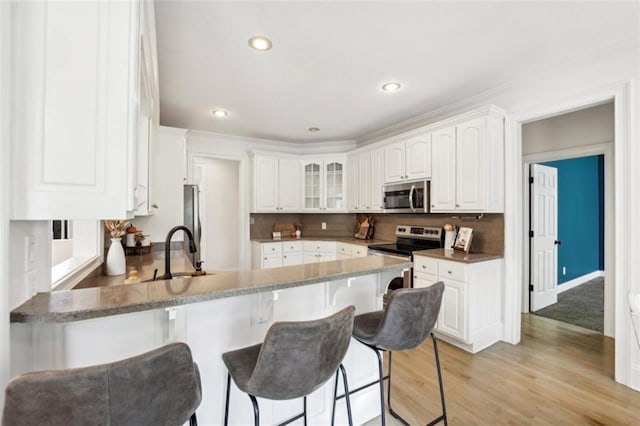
[(408, 159), (325, 184), (366, 171), (468, 167), (85, 104), (276, 184)]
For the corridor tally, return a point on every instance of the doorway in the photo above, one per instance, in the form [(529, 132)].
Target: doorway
[(220, 212), (574, 221), (585, 134)]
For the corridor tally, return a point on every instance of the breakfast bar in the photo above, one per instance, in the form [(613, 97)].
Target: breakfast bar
[(212, 314)]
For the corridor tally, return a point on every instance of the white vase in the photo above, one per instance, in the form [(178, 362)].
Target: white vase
[(116, 264)]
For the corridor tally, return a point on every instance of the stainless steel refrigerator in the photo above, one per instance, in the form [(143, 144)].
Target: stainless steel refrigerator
[(192, 220)]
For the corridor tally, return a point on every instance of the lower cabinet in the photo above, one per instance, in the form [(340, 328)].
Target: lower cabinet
[(290, 253), (470, 315)]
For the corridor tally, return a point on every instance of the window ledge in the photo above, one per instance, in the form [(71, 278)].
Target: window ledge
[(69, 273)]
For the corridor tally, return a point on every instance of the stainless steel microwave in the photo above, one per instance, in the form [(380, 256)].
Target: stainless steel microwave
[(406, 197)]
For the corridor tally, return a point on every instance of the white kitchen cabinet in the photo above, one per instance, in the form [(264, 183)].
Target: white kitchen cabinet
[(78, 92), (468, 169), (366, 175), (319, 251), (325, 184), (470, 315), (353, 182), (408, 159), (276, 184)]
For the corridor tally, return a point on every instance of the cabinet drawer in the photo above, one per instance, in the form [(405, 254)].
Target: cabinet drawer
[(358, 251), (271, 248), (452, 270), (425, 265), (344, 248), (292, 246), (318, 246)]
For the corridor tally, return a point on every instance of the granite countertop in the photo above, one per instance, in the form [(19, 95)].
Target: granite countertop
[(457, 256), (88, 303), (348, 240)]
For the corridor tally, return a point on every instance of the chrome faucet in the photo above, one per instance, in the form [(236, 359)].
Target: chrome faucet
[(167, 248)]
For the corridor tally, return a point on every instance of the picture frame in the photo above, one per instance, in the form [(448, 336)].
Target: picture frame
[(463, 239)]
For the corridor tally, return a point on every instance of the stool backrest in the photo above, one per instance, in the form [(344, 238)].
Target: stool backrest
[(160, 387), (409, 317), (297, 358)]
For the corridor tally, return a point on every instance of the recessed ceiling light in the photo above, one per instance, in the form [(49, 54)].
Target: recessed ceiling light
[(314, 129), (220, 113), (260, 43), (391, 87)]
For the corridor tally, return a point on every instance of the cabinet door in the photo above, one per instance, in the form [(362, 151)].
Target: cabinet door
[(394, 162), (310, 257), (418, 157), (266, 184), (289, 178), (291, 259), (443, 173), (312, 185), (75, 115), (271, 261), (423, 280), (452, 316), (353, 182), (334, 185), (364, 178), (377, 178), (471, 176), (359, 251), (326, 256)]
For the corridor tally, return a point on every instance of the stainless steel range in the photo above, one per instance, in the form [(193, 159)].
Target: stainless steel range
[(410, 239)]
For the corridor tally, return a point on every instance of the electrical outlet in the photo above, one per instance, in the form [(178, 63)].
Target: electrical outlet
[(324, 226), (564, 270)]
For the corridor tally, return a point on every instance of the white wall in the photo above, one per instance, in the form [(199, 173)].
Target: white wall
[(588, 126), (220, 213), (167, 177), (5, 43)]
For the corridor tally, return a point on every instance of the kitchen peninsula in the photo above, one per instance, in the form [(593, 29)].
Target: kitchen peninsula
[(213, 314)]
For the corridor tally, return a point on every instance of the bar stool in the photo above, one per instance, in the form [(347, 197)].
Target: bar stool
[(295, 359), (408, 319), (160, 387)]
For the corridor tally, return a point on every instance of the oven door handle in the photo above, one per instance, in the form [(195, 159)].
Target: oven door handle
[(411, 191)]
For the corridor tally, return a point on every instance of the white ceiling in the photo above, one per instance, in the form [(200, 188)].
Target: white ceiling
[(329, 59)]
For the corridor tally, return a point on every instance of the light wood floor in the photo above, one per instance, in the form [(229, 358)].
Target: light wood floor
[(559, 374)]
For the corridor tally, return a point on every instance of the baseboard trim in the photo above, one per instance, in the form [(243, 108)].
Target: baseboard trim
[(577, 281)]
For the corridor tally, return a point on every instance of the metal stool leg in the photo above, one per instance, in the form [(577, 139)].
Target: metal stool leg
[(226, 405), (304, 404), (381, 376), (193, 421), (256, 410), (346, 394), (444, 409)]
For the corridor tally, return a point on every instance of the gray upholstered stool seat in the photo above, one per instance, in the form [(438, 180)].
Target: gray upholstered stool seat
[(295, 359), (160, 387), (406, 322)]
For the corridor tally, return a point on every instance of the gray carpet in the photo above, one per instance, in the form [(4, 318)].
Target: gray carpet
[(582, 306)]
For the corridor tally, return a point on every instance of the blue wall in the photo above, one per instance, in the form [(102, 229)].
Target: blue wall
[(580, 215)]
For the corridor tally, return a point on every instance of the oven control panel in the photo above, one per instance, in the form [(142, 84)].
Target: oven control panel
[(425, 232)]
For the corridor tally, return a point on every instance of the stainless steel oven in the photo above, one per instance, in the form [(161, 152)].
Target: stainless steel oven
[(409, 197), (409, 239)]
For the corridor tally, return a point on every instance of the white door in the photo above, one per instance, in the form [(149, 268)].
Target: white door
[(266, 184), (364, 179), (544, 236), (353, 183), (471, 148), (377, 178)]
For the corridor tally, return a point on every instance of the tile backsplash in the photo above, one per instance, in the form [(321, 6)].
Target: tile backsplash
[(488, 231)]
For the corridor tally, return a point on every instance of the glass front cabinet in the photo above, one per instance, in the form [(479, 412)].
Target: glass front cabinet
[(324, 184)]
